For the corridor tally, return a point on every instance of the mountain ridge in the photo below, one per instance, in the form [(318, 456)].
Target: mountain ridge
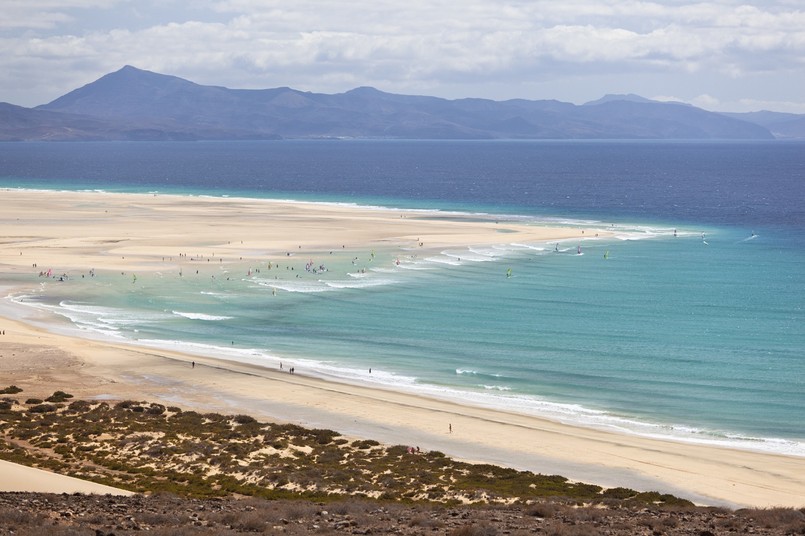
[(132, 103)]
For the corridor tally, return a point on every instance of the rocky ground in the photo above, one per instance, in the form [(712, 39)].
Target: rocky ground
[(24, 514)]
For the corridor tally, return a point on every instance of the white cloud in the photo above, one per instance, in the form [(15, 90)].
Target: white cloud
[(708, 102), (45, 14), (479, 48)]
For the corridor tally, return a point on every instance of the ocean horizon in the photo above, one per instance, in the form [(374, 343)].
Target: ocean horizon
[(685, 323)]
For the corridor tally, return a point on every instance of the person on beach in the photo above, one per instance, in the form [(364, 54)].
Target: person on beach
[(192, 364)]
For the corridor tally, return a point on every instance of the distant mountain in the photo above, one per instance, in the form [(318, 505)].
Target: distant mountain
[(18, 123), (136, 104), (26, 124), (781, 125), (631, 97)]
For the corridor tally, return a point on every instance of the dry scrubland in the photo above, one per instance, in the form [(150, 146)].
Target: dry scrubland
[(230, 474)]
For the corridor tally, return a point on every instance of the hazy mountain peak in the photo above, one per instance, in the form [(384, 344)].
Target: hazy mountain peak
[(133, 103), (629, 97)]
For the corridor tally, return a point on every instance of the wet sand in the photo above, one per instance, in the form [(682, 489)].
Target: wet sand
[(72, 233)]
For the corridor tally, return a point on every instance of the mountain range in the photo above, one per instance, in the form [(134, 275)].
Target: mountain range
[(134, 104)]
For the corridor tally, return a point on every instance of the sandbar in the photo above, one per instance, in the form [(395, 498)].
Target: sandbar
[(77, 231)]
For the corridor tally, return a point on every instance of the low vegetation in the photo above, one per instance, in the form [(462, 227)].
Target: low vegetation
[(163, 451), (148, 447)]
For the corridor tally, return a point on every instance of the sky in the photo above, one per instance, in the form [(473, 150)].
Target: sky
[(720, 55)]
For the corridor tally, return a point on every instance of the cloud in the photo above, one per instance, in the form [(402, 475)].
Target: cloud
[(45, 14), (708, 102), (413, 46)]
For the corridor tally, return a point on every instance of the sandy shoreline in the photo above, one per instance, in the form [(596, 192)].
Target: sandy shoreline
[(74, 232)]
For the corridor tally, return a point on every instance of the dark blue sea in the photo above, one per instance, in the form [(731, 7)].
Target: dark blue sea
[(698, 337)]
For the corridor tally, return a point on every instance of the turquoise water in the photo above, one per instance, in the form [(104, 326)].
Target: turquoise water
[(697, 338), (658, 338)]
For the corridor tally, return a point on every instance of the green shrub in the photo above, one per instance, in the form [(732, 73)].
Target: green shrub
[(665, 499), (365, 444), (618, 493), (58, 396), (324, 437), (80, 406), (42, 408)]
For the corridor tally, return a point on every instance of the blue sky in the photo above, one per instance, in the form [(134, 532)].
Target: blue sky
[(720, 55)]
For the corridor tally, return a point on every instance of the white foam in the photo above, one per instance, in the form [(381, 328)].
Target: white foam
[(254, 356), (377, 270), (108, 315), (496, 388), (359, 283), (201, 316), (415, 265), (500, 398), (356, 281), (104, 321), (471, 255), (451, 261), (303, 286), (82, 319), (530, 247)]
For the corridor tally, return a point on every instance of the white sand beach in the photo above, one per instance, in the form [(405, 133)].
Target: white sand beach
[(75, 232)]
